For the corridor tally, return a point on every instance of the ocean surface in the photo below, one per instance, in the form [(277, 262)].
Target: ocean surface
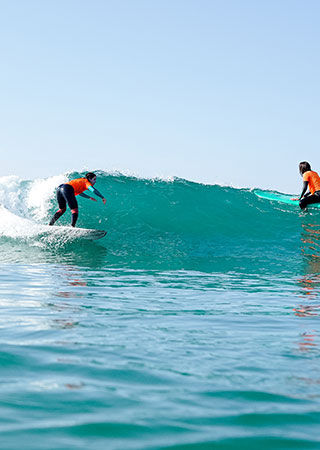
[(194, 324)]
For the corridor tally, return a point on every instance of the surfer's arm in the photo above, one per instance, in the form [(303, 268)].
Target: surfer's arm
[(95, 191), (304, 190)]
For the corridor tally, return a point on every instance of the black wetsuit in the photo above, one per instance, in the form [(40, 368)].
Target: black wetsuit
[(309, 199), (65, 195)]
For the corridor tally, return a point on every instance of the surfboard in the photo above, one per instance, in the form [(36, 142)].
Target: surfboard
[(282, 198), (70, 233)]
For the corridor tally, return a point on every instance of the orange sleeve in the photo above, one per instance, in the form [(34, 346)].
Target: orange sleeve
[(306, 176)]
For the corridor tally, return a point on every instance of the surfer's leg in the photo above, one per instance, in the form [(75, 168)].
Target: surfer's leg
[(310, 199), (74, 217), (62, 206), (72, 203), (57, 216)]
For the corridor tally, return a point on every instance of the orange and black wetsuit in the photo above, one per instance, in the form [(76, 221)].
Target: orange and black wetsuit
[(66, 194), (312, 180)]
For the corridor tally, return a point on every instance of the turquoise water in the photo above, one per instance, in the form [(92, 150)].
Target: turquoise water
[(194, 324)]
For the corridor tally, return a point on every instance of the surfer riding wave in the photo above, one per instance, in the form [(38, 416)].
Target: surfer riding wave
[(66, 194)]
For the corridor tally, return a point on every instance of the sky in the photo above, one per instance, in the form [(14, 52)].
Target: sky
[(213, 91)]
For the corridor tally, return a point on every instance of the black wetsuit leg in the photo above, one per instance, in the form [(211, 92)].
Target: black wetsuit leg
[(57, 216), (62, 206), (68, 193), (310, 199), (60, 198), (65, 194), (74, 219)]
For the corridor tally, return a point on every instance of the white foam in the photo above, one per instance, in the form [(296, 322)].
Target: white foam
[(10, 193), (15, 226), (40, 194), (23, 203), (30, 199)]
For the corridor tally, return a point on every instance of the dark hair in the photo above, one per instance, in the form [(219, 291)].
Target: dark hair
[(90, 175), (304, 166)]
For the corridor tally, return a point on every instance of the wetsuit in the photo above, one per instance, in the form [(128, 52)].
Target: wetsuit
[(312, 180), (66, 194)]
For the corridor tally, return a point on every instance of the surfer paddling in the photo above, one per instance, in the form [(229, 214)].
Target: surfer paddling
[(66, 194), (311, 180)]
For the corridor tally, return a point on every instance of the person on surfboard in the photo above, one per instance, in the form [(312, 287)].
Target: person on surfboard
[(311, 180), (66, 194)]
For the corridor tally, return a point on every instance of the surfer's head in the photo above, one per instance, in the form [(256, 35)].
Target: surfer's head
[(304, 166), (92, 177)]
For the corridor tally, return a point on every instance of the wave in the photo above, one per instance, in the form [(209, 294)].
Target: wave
[(171, 224)]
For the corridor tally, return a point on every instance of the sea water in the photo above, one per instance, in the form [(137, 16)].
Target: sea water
[(193, 324)]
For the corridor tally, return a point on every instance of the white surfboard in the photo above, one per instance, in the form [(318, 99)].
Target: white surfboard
[(16, 227), (71, 233)]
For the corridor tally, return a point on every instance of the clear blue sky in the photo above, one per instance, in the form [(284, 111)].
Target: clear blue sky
[(215, 91)]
